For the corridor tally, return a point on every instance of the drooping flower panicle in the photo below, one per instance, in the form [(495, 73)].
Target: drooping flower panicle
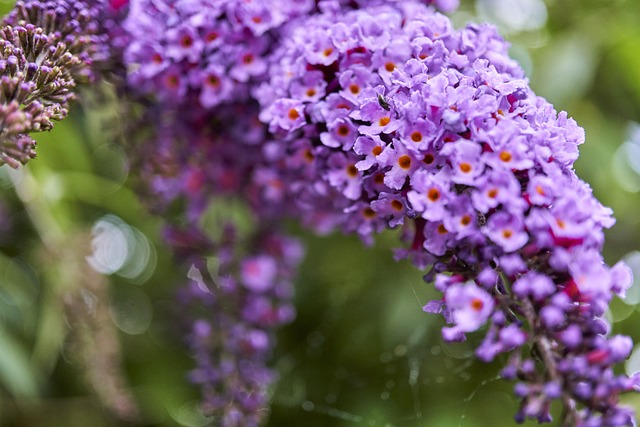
[(241, 300), (412, 122)]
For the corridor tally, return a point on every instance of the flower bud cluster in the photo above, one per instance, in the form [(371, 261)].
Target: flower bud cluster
[(388, 116), (46, 49)]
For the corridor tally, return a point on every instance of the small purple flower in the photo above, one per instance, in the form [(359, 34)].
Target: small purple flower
[(400, 162), (535, 285), (465, 161), (371, 147), (542, 190), (430, 194), (249, 62), (284, 114), (344, 176), (258, 273), (498, 188), (183, 42), (470, 308), (310, 88), (507, 231), (390, 206), (437, 239), (341, 133), (216, 87)]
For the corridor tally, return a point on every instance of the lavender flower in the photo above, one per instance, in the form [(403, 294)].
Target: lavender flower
[(46, 50)]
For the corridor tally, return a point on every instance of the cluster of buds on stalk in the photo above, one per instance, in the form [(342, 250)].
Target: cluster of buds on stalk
[(46, 50)]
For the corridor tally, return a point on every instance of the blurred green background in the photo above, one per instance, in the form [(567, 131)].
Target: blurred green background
[(361, 351)]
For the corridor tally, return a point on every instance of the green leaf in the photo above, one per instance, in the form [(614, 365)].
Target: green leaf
[(17, 373)]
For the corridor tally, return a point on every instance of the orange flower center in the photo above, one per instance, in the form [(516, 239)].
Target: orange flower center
[(389, 66), (173, 81), (368, 213), (293, 114), (396, 204), (186, 41), (493, 193), (507, 233), (354, 88), (465, 220), (311, 92), (416, 136), (352, 171), (442, 229), (477, 304), (433, 195), (343, 130), (505, 156), (465, 167), (404, 161), (428, 159), (376, 150), (308, 155), (384, 121)]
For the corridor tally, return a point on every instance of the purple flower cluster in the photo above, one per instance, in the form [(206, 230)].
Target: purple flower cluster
[(198, 61), (377, 114), (388, 116), (235, 302), (356, 115), (201, 52), (207, 52), (46, 49), (241, 267)]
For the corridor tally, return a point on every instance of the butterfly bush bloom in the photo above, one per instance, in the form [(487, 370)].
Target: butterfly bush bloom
[(193, 64), (239, 289), (435, 129), (235, 304)]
